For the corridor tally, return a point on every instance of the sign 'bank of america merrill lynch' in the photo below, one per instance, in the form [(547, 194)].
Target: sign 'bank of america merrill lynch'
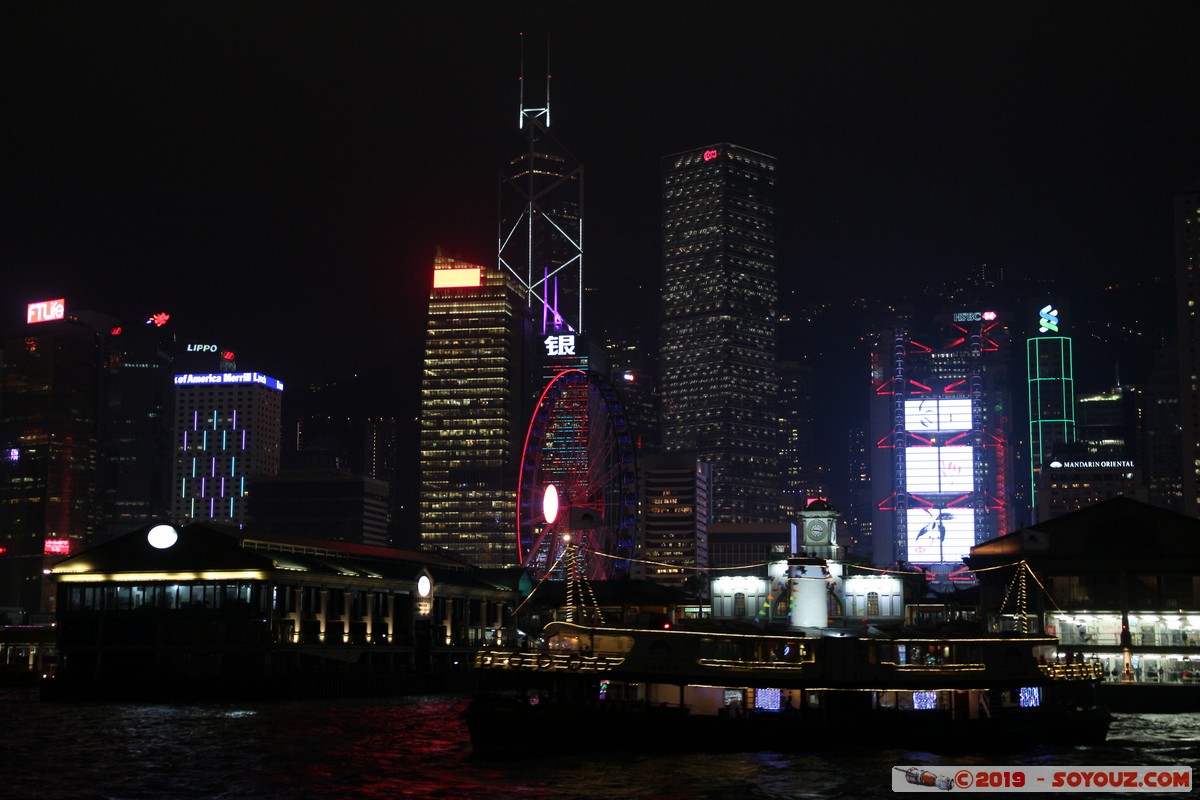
[(228, 378)]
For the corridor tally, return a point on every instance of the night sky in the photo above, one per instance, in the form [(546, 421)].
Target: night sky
[(278, 175)]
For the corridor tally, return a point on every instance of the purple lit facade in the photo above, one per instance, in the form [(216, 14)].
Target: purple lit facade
[(227, 428)]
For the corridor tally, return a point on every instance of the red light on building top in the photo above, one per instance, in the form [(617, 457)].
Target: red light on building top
[(228, 355), (989, 315), (115, 331), (57, 547), (159, 319), (709, 155)]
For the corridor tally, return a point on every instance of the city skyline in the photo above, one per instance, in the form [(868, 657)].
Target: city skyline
[(282, 181)]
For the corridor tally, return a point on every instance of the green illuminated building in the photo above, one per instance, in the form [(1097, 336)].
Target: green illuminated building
[(1050, 368)]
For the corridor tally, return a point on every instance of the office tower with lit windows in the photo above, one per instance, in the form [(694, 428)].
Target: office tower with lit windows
[(942, 460), (673, 527), (227, 434), (801, 477), (472, 413), (50, 401), (136, 435), (1050, 368), (717, 354), (1187, 295), (1161, 445)]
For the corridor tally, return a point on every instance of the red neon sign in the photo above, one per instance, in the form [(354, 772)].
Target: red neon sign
[(709, 155), (45, 311), (57, 547), (159, 319), (228, 355)]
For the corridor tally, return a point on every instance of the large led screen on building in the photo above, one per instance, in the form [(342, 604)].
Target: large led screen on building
[(939, 535), (933, 414), (939, 470)]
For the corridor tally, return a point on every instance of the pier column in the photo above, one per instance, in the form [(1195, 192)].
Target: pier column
[(369, 614), (297, 614), (323, 612)]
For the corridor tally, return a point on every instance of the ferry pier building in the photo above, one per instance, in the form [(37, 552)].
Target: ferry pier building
[(209, 611)]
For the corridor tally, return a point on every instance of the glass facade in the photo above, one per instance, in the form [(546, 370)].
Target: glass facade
[(1051, 401), (1187, 261), (541, 227), (50, 381), (227, 432), (720, 292), (942, 460), (471, 413), (674, 522)]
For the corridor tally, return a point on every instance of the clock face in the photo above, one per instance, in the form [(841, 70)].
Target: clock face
[(818, 532)]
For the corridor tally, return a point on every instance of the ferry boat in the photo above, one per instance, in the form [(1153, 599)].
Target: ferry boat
[(695, 689)]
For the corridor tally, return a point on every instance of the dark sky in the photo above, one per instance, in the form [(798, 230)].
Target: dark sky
[(277, 175)]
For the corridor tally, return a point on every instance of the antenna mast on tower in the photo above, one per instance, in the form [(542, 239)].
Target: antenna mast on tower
[(541, 217)]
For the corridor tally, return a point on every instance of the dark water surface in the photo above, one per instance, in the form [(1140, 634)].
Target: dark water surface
[(417, 747)]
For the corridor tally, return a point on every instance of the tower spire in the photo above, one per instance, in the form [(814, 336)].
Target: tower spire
[(542, 113), (541, 217)]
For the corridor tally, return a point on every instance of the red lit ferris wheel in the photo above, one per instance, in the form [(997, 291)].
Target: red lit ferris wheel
[(578, 480)]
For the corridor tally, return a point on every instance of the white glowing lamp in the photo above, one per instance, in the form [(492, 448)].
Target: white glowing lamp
[(162, 536), (550, 503)]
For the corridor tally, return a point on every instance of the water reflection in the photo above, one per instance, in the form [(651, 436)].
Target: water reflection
[(418, 748)]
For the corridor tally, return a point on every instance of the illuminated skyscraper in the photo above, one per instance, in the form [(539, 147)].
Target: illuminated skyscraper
[(50, 399), (227, 433), (136, 435), (541, 226), (941, 465), (673, 529), (720, 291), (472, 414), (1187, 296), (1050, 365)]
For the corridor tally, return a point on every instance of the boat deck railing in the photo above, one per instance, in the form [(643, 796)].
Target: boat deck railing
[(544, 660), (1076, 671), (740, 665), (936, 668)]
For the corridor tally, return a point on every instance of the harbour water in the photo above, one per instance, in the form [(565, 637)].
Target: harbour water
[(417, 747)]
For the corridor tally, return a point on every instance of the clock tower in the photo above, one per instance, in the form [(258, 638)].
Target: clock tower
[(819, 529)]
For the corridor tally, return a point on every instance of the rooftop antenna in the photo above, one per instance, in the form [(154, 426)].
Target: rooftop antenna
[(540, 238), (544, 111)]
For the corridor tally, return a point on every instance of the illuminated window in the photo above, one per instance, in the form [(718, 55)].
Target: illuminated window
[(872, 604), (768, 699), (926, 701)]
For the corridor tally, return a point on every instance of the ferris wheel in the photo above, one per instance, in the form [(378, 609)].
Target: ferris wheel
[(578, 481)]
